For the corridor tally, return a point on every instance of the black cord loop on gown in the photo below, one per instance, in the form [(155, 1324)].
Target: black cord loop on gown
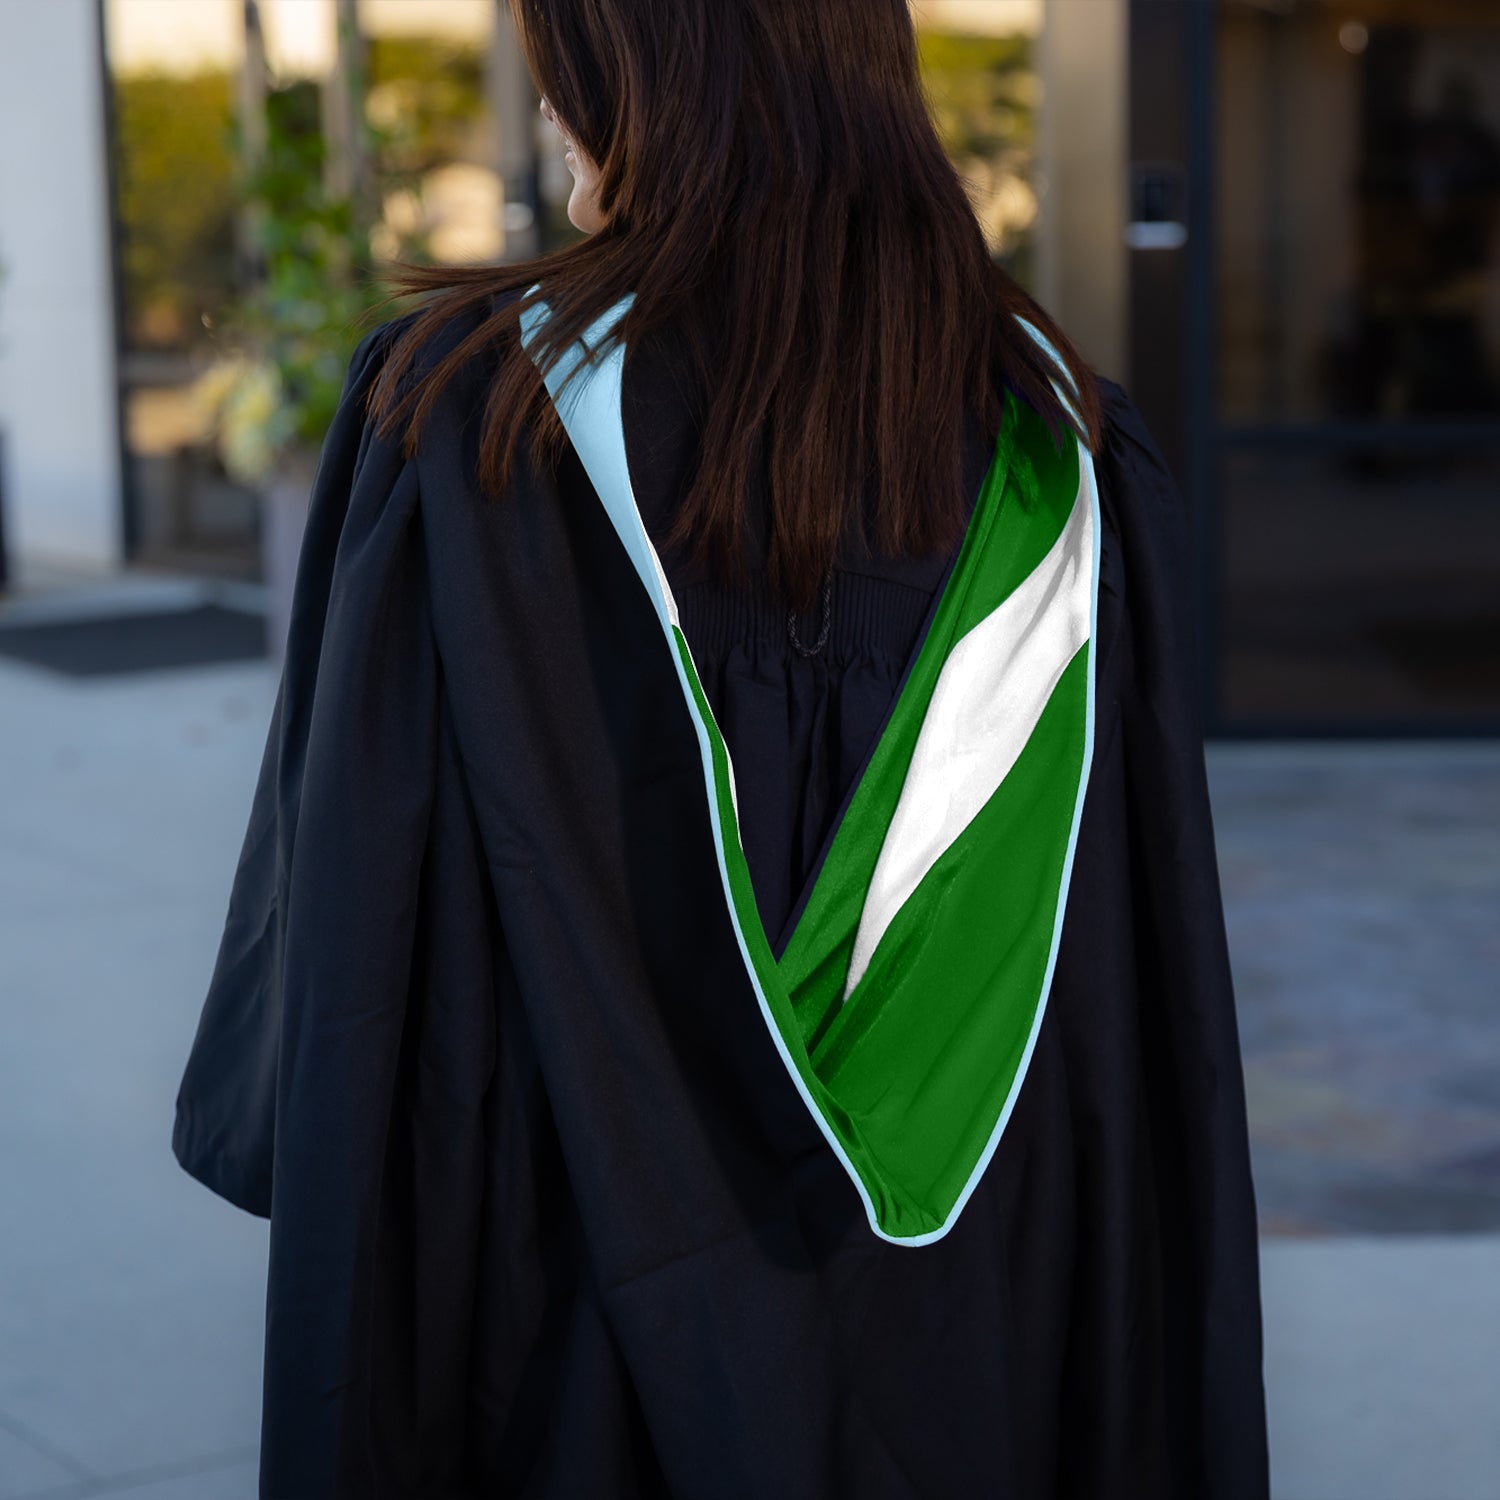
[(791, 621)]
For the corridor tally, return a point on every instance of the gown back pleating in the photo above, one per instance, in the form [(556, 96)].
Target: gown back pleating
[(549, 1217)]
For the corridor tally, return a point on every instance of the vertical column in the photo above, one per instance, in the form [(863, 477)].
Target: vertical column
[(1082, 261), (513, 100), (252, 125), (58, 373), (348, 167)]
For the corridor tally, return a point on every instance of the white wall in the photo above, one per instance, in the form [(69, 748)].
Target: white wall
[(62, 482), (1082, 263)]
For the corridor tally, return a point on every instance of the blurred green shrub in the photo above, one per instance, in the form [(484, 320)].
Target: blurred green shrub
[(287, 341), (426, 98)]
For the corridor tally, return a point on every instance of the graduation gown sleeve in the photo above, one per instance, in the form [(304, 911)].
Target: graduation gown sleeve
[(346, 1041), (225, 1123), (1188, 1038)]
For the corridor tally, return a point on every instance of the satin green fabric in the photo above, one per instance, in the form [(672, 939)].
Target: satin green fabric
[(913, 1071)]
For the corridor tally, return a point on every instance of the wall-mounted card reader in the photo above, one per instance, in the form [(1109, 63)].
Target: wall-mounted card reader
[(1158, 206)]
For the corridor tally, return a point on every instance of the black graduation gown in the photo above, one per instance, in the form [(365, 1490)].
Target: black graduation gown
[(548, 1216)]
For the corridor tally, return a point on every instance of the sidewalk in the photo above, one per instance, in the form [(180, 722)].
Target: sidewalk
[(131, 1298), (1362, 895)]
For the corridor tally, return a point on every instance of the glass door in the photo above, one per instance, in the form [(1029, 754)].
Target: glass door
[(1355, 446)]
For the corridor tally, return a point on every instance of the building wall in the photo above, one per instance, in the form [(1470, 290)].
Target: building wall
[(58, 402), (1083, 265)]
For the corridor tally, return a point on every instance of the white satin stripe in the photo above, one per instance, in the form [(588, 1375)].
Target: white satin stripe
[(988, 698)]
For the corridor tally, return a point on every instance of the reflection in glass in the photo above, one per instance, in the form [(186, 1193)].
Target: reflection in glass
[(979, 70), (1358, 437), (177, 88), (1360, 588), (1358, 209)]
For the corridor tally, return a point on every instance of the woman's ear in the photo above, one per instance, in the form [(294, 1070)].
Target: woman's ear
[(583, 201)]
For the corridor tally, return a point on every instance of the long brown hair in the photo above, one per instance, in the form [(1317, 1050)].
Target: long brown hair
[(772, 186)]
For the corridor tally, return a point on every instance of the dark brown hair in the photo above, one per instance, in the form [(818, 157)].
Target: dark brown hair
[(774, 188)]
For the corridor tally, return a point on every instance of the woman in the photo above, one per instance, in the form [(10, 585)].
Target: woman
[(725, 990)]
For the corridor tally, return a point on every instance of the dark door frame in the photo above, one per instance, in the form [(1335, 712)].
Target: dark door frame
[(1170, 286)]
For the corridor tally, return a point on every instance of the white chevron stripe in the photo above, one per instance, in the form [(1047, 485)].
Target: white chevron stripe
[(986, 703)]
